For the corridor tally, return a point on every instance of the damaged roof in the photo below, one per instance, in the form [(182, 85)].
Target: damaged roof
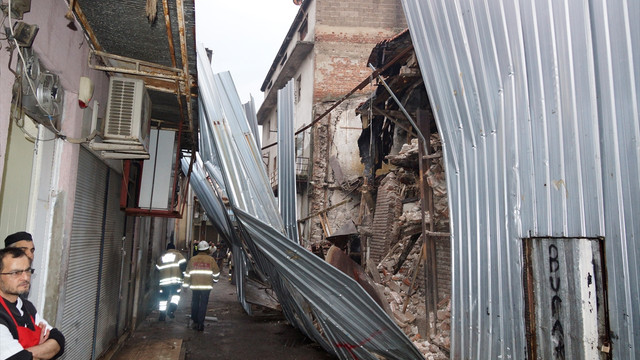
[(123, 29), (388, 49)]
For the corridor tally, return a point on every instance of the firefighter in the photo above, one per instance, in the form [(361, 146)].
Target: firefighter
[(171, 266), (202, 272)]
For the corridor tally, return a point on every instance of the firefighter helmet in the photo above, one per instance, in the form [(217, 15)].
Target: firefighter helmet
[(203, 245)]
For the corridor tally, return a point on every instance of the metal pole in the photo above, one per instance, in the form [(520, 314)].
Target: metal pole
[(404, 111)]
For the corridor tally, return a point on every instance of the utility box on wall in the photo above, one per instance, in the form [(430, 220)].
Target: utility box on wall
[(565, 296)]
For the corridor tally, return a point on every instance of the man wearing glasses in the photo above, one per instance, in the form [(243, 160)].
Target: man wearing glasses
[(24, 334), (22, 240)]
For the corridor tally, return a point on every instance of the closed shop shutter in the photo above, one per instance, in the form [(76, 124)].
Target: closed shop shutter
[(111, 266), (84, 257)]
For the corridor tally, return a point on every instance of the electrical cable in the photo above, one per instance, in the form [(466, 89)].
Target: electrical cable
[(57, 132)]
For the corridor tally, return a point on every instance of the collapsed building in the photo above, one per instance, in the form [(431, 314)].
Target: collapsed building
[(325, 57), (324, 54), (516, 263), (404, 227)]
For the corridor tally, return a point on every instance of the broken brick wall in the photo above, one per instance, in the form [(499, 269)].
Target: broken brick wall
[(320, 135), (443, 269), (335, 168), (345, 33), (408, 304)]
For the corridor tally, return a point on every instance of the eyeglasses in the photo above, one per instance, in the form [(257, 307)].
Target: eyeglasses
[(18, 273)]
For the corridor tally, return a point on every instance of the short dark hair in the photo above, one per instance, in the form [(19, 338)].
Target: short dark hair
[(13, 252)]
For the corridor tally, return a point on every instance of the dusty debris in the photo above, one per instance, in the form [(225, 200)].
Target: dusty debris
[(399, 264), (407, 161), (394, 234), (413, 320)]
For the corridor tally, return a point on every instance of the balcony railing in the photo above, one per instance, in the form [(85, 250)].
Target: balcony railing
[(302, 172)]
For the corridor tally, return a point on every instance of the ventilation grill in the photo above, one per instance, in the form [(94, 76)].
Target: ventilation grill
[(121, 112)]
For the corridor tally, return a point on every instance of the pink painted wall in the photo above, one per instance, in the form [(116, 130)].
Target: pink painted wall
[(63, 52)]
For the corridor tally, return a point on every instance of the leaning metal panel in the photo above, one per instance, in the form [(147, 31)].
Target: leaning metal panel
[(537, 105), (321, 301), (287, 160), (210, 194), (252, 117)]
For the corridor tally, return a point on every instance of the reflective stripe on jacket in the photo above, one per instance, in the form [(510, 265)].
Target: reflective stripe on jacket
[(202, 272), (169, 267)]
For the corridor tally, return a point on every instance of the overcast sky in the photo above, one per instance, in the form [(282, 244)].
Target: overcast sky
[(244, 37)]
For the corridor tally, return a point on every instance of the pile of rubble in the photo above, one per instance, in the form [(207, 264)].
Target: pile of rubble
[(403, 278), (410, 312)]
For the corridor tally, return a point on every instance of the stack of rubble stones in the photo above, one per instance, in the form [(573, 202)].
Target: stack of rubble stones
[(407, 306)]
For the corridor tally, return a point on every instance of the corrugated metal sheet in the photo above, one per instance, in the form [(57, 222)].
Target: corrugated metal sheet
[(537, 105), (287, 160), (320, 300), (247, 187), (250, 112)]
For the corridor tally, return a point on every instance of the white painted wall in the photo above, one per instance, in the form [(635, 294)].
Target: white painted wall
[(348, 128)]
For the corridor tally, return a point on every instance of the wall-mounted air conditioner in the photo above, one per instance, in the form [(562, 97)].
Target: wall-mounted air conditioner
[(128, 117)]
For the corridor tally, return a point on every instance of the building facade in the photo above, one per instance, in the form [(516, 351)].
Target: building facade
[(325, 53), (95, 277)]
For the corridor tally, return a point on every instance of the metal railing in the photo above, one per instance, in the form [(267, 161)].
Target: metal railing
[(302, 171)]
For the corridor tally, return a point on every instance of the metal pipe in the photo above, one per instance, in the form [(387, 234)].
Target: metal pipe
[(164, 90), (134, 72), (404, 111), (154, 213), (122, 156)]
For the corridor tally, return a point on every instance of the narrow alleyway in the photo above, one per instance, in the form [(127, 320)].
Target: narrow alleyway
[(235, 335)]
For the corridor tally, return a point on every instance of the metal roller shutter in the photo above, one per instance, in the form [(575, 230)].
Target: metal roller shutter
[(114, 227), (84, 257)]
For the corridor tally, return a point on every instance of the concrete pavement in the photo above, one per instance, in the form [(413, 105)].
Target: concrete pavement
[(235, 335)]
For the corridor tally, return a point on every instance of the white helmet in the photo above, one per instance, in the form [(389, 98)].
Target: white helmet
[(203, 245)]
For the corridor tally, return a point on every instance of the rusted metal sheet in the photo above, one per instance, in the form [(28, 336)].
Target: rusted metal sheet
[(341, 261)]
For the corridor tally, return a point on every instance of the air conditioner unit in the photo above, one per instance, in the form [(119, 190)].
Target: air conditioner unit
[(128, 117)]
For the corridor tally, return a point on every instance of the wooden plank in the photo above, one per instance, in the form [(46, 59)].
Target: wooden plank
[(260, 294)]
